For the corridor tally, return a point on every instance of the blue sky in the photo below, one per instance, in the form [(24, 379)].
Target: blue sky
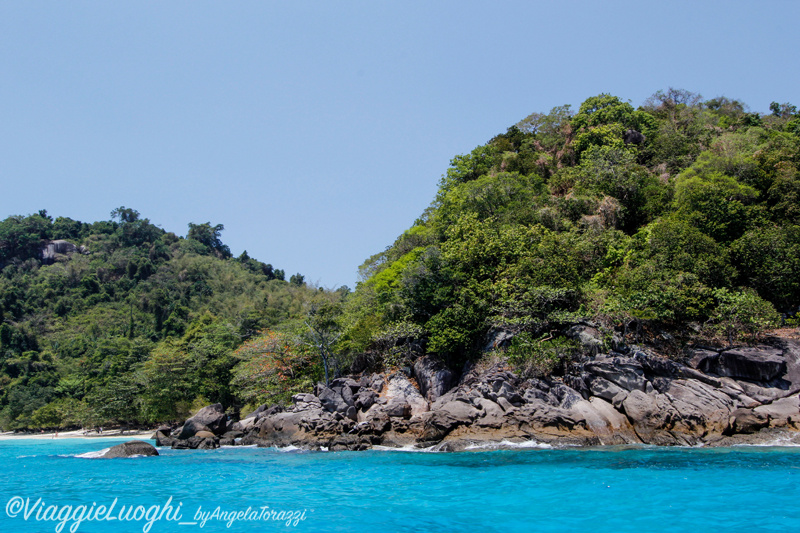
[(316, 132)]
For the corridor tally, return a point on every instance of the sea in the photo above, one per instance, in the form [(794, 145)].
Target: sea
[(55, 485)]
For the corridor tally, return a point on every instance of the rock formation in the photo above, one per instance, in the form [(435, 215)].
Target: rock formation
[(620, 397), (133, 448), (59, 247)]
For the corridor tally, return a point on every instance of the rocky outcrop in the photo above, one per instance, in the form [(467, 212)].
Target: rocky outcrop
[(134, 448), (53, 249), (751, 364), (433, 377), (202, 431), (620, 397)]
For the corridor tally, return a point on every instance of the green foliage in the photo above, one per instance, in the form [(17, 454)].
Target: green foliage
[(718, 205), (464, 168), (538, 357), (272, 368), (558, 219), (768, 260), (209, 236), (398, 344), (741, 314), (553, 221), (132, 331)]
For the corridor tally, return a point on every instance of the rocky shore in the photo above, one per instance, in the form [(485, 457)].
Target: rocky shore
[(629, 396)]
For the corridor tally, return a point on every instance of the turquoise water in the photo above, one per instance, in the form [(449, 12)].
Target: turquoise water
[(532, 490)]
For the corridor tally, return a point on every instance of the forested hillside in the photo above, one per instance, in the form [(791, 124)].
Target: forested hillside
[(675, 222), (120, 322)]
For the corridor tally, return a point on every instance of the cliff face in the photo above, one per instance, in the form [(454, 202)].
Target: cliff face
[(720, 397)]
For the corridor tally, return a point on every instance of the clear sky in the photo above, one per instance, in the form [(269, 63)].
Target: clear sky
[(316, 132)]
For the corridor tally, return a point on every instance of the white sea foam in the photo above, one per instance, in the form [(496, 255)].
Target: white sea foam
[(527, 444), (789, 440), (91, 455), (406, 448)]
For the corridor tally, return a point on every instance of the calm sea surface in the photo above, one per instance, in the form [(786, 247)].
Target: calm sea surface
[(747, 489)]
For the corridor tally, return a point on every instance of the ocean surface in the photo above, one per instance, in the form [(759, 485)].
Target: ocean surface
[(49, 485)]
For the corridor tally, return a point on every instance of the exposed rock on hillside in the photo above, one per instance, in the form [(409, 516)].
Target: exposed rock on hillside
[(608, 398)]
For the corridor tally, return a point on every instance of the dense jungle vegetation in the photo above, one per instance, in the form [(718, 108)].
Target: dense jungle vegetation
[(676, 221), (673, 222), (138, 325)]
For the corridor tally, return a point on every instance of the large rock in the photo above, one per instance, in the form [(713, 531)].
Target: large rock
[(753, 364), (783, 412), (490, 413), (703, 359), (699, 408), (397, 408), (439, 423), (650, 415), (791, 354), (400, 390), (365, 399), (747, 421), (433, 377), (212, 417), (162, 438), (332, 401), (190, 428), (306, 402), (244, 424), (625, 372), (590, 338), (602, 388), (133, 448), (499, 385), (537, 415), (281, 429), (58, 247), (610, 426), (498, 339)]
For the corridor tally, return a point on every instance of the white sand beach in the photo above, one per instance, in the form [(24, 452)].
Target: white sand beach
[(81, 434)]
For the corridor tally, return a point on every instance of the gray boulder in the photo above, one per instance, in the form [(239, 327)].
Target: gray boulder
[(590, 338), (498, 339), (433, 377), (747, 421), (332, 401), (401, 389), (702, 359), (57, 247), (633, 137), (190, 428), (397, 407), (610, 426), (365, 399), (133, 448), (306, 402), (438, 424), (753, 364), (699, 408), (625, 372), (650, 414), (602, 388), (213, 417), (163, 439), (783, 412)]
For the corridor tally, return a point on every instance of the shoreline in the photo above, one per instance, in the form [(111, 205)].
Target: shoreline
[(772, 438), (78, 434)]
